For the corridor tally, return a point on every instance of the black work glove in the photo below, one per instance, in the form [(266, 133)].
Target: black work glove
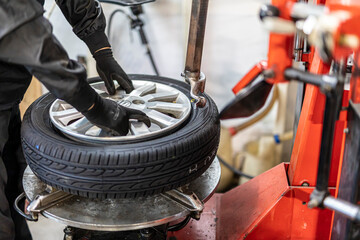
[(112, 117), (107, 67), (109, 70)]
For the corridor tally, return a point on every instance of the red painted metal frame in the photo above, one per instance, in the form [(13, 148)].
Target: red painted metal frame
[(250, 76), (266, 207), (281, 46), (292, 219), (274, 204)]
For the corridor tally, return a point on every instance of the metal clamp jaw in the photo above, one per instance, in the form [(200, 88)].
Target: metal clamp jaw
[(197, 85), (188, 200), (41, 203)]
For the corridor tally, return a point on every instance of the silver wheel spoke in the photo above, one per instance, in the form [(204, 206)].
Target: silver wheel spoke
[(160, 119), (175, 109), (138, 128), (164, 97), (66, 112), (143, 90), (81, 125), (93, 131), (99, 91), (64, 106), (66, 119)]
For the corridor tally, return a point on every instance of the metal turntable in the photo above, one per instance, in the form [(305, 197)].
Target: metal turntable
[(119, 215)]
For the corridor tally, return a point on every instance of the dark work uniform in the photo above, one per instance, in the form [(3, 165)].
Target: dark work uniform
[(28, 47)]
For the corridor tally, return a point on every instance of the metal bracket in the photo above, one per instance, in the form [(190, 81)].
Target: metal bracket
[(28, 217), (42, 202), (197, 87), (187, 200)]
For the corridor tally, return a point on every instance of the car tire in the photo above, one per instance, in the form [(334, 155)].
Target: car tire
[(121, 170)]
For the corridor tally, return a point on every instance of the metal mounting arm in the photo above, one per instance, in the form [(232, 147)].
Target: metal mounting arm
[(192, 72)]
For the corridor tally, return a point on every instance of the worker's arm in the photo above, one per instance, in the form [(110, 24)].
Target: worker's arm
[(88, 22), (32, 44)]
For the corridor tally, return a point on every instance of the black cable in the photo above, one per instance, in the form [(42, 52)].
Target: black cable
[(234, 170), (111, 19), (179, 225), (136, 23), (148, 50)]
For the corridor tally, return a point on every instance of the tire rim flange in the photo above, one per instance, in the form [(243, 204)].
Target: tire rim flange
[(166, 107)]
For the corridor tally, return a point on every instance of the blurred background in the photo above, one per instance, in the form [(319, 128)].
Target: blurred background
[(235, 41)]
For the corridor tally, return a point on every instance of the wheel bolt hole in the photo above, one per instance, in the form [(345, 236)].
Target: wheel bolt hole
[(138, 102)]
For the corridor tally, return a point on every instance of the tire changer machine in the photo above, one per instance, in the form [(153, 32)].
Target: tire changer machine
[(314, 196)]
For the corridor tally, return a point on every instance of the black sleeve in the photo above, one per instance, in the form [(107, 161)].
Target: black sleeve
[(15, 13), (33, 45), (88, 21)]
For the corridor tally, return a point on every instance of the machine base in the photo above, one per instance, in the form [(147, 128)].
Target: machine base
[(266, 207), (123, 214)]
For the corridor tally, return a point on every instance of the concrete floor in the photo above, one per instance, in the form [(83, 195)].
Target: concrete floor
[(235, 41)]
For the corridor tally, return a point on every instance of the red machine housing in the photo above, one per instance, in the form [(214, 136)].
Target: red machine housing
[(274, 204)]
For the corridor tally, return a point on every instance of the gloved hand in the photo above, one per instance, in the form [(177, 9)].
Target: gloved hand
[(112, 117), (109, 70)]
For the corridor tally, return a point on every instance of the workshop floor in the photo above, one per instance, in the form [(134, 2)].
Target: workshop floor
[(235, 41)]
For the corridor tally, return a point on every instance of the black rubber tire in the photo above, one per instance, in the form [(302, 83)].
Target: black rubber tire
[(132, 169)]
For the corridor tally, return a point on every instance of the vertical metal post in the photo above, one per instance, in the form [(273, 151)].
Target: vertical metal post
[(192, 72), (299, 47), (299, 43), (331, 115), (196, 36)]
